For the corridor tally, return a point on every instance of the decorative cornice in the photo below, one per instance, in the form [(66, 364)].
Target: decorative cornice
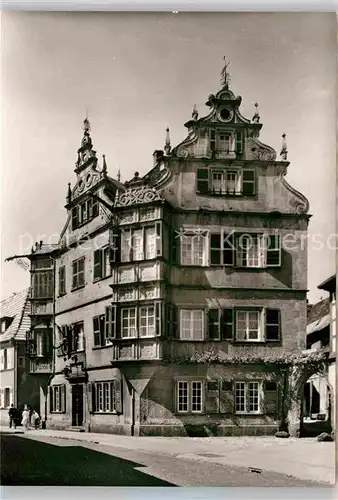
[(136, 196), (300, 203)]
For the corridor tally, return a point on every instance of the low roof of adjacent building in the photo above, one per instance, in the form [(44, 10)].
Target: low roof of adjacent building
[(329, 284), (15, 309), (318, 316)]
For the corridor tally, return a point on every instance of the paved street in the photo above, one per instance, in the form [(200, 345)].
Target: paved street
[(37, 458)]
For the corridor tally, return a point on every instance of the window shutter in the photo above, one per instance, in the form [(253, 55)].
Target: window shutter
[(114, 321), (108, 323), (248, 182), (213, 324), (102, 329), (115, 244), (228, 249), (118, 396), (175, 246), (75, 217), (273, 250), (98, 264), (96, 328), (270, 398), (74, 277), (226, 398), (202, 180), (158, 232), (172, 321), (272, 324), (215, 249), (239, 142), (158, 318), (63, 398), (227, 324), (51, 399), (90, 390)]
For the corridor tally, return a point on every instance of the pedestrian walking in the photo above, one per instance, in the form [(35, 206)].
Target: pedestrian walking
[(25, 418), (12, 413), (35, 419)]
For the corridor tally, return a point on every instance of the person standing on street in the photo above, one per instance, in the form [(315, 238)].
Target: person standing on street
[(12, 413), (25, 418), (35, 419)]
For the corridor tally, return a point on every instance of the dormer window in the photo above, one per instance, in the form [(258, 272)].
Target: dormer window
[(5, 323)]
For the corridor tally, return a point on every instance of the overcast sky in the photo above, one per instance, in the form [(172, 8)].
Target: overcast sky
[(136, 74)]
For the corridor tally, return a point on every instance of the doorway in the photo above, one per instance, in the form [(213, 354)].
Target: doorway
[(77, 405)]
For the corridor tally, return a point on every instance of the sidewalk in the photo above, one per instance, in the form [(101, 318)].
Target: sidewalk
[(301, 458)]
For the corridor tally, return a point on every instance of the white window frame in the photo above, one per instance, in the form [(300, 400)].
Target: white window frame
[(224, 181), (105, 399), (81, 338), (189, 385), (149, 329), (261, 324), (194, 248), (129, 328), (247, 386), (187, 317), (249, 254), (58, 396), (105, 267)]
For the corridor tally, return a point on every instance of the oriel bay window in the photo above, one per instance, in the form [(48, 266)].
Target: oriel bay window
[(43, 342), (42, 285), (128, 322), (142, 243), (189, 396)]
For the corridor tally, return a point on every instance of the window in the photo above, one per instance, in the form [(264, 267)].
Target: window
[(141, 244), (21, 362), (128, 322), (248, 397), (3, 325), (224, 143), (104, 397), (84, 212), (192, 324), (78, 273), (62, 280), (147, 321), (42, 342), (102, 263), (57, 398), (189, 397), (194, 249), (42, 285), (226, 182), (78, 337), (6, 365), (250, 251), (273, 250), (222, 250), (42, 263), (248, 325)]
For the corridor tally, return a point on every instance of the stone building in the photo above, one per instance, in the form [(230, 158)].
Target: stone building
[(16, 387), (160, 280)]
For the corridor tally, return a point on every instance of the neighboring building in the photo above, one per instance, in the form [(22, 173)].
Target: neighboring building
[(194, 256), (15, 385), (320, 390)]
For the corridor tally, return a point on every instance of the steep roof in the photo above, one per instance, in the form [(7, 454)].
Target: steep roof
[(318, 316), (16, 307)]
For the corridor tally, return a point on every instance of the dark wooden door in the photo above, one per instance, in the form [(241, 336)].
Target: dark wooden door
[(77, 405)]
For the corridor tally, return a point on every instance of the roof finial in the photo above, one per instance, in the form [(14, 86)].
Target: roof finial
[(119, 175), (86, 125), (167, 146), (104, 166), (284, 150), (194, 112), (69, 193), (225, 77), (256, 116)]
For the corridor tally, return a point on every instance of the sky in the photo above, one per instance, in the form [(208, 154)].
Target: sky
[(134, 74)]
